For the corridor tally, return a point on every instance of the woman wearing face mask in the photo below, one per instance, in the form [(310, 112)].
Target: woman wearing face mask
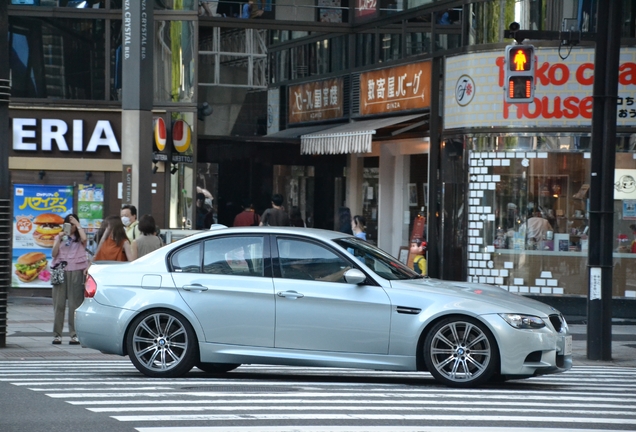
[(114, 244)]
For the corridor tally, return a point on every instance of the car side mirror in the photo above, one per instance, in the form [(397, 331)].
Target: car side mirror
[(354, 276)]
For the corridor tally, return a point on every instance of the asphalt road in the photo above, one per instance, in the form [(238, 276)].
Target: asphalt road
[(98, 396)]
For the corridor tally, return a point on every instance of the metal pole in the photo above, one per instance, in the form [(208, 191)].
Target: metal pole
[(5, 194), (600, 257)]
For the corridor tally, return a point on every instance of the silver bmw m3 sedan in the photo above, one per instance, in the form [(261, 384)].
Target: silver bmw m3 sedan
[(309, 297)]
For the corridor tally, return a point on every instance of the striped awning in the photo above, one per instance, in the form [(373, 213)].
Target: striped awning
[(355, 137)]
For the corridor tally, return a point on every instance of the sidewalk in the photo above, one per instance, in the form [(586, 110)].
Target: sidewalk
[(30, 332)]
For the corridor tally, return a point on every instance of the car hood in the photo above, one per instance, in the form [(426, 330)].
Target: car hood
[(494, 298)]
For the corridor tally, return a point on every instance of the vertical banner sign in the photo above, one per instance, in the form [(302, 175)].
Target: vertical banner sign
[(137, 67), (90, 210), (38, 217), (90, 207), (128, 185)]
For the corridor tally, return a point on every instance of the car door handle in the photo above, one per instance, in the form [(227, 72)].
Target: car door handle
[(195, 287), (290, 294)]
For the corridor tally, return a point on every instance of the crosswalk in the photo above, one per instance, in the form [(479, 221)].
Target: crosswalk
[(287, 399)]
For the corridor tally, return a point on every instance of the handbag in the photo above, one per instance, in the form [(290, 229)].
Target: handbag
[(57, 273)]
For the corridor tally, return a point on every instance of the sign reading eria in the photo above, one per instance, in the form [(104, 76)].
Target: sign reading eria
[(28, 133)]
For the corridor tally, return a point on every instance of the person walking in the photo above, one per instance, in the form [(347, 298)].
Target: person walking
[(247, 217), (129, 219), (358, 226), (148, 241), (275, 216), (114, 244), (69, 248)]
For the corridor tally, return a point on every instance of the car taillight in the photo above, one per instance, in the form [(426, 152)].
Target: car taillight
[(90, 287)]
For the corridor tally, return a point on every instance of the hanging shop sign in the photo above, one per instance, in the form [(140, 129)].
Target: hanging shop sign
[(473, 90), (181, 136), (160, 133), (316, 101), (38, 217), (396, 89)]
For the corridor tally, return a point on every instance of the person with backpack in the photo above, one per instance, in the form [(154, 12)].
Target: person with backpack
[(248, 217)]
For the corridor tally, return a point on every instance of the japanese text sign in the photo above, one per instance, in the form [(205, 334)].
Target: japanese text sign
[(395, 89), (318, 100)]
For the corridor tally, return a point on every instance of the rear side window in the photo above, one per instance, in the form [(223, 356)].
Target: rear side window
[(237, 256), (187, 260)]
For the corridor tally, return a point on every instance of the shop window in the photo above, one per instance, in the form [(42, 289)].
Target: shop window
[(57, 58), (365, 48), (528, 214), (390, 47), (174, 59), (418, 43)]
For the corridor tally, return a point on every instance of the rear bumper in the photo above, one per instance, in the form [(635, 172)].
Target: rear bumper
[(102, 327)]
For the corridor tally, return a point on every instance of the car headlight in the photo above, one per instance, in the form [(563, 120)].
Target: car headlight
[(519, 321)]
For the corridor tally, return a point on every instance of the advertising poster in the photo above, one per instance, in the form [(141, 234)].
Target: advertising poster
[(90, 210), (90, 206), (38, 216)]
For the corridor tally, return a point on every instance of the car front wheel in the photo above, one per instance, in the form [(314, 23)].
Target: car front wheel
[(460, 352), (162, 344)]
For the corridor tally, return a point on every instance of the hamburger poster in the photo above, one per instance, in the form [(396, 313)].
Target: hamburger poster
[(38, 216)]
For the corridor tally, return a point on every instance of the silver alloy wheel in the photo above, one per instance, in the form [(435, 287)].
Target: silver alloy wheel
[(160, 342), (460, 352)]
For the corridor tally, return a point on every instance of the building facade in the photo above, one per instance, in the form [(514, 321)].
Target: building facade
[(391, 108)]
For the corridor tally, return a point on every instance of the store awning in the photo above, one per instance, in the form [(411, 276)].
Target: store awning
[(353, 137), (297, 132)]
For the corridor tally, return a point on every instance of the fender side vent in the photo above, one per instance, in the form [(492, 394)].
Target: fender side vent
[(408, 310)]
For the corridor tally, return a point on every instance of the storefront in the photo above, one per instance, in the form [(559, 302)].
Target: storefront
[(527, 171), (387, 151), (62, 161)]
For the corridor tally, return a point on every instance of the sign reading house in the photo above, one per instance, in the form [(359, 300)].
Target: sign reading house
[(316, 101), (399, 88), (474, 96)]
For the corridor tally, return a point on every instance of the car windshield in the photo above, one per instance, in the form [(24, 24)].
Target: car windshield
[(383, 264)]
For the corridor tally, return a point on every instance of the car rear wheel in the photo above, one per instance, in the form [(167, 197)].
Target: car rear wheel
[(162, 344), (460, 352), (217, 367)]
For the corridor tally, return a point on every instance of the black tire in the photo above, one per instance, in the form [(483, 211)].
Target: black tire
[(461, 352), (217, 367), (162, 344)]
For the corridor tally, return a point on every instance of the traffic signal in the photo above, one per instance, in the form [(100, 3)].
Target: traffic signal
[(519, 67)]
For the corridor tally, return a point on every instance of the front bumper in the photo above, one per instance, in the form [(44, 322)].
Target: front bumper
[(531, 352)]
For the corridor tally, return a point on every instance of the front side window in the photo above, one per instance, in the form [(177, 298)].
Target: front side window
[(237, 256), (310, 261), (383, 264)]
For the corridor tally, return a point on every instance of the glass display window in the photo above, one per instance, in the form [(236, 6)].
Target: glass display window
[(528, 214)]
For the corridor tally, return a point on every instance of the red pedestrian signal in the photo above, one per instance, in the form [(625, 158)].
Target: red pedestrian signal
[(519, 74)]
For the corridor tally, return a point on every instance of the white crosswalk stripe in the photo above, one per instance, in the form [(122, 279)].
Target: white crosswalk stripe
[(254, 398)]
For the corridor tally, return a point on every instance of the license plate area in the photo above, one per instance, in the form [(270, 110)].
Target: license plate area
[(567, 345)]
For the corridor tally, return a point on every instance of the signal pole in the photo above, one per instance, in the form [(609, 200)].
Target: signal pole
[(601, 238)]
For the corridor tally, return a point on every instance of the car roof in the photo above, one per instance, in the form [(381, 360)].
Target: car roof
[(307, 232)]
